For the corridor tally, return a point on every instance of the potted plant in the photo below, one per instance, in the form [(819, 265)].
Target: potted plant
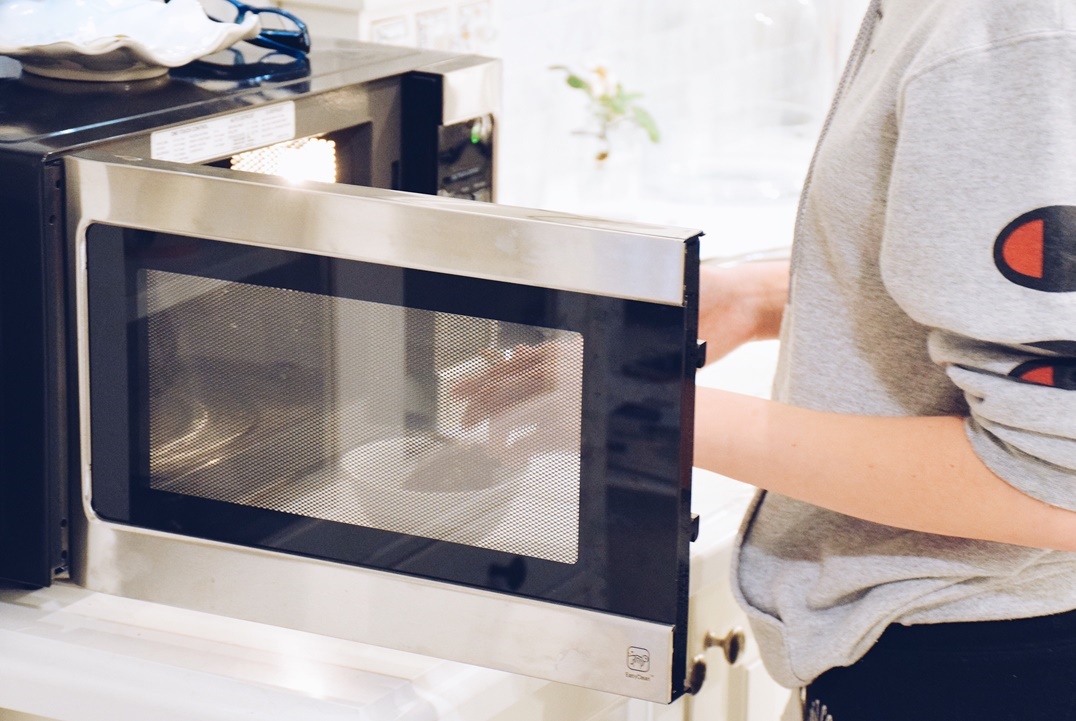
[(610, 106)]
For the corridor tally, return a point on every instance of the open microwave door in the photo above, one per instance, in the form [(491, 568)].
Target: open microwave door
[(442, 426)]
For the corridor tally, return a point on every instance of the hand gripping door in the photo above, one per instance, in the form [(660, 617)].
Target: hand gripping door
[(442, 426)]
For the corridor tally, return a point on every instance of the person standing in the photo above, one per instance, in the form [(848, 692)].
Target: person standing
[(913, 551)]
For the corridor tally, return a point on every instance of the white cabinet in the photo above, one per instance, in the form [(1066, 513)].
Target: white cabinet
[(744, 692), (470, 26)]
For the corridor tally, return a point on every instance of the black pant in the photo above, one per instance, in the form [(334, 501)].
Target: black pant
[(1022, 670)]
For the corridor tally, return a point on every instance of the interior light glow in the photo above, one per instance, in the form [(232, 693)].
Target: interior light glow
[(294, 160)]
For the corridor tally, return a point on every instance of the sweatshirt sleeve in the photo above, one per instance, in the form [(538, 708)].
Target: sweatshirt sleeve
[(980, 247)]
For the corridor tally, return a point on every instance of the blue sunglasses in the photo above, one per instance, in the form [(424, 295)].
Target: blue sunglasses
[(293, 40), (296, 39)]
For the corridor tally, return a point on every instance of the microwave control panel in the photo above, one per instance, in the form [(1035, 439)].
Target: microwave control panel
[(465, 159)]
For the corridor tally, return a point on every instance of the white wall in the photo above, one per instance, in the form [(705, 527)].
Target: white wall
[(739, 89)]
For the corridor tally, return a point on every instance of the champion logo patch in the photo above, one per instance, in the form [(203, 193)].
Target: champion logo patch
[(1053, 372), (1038, 249)]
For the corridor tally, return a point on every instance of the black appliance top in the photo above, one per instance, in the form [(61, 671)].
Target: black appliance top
[(45, 116)]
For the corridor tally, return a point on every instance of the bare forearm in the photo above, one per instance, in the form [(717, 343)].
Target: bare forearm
[(914, 473)]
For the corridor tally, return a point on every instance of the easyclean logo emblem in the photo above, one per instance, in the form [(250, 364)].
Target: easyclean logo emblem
[(638, 659), (1038, 250), (638, 663)]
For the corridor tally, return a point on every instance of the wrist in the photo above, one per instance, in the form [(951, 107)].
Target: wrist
[(769, 298), (761, 289)]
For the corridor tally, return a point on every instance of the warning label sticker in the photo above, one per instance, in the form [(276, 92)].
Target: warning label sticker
[(220, 137)]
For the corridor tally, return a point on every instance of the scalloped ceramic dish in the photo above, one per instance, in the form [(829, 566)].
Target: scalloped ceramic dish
[(112, 40)]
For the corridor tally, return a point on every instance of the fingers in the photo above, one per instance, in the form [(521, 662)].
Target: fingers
[(526, 372)]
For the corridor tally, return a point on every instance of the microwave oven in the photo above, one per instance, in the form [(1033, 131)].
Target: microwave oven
[(267, 353)]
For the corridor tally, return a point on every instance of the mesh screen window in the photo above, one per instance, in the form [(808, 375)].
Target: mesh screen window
[(419, 422)]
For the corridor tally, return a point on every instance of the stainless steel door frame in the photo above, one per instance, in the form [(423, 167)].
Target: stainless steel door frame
[(546, 640), (405, 230)]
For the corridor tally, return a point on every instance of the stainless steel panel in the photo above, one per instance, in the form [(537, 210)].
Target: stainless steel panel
[(471, 87), (480, 240), (558, 643)]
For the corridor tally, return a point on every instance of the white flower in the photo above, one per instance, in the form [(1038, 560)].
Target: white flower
[(602, 80)]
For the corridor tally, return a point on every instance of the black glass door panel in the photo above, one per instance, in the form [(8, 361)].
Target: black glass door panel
[(497, 435)]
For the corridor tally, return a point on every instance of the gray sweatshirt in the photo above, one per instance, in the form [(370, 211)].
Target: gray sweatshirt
[(934, 273)]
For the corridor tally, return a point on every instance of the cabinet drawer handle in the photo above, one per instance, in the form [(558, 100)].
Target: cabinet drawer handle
[(696, 675), (731, 645)]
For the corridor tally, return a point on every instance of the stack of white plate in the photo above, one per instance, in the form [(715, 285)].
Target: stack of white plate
[(112, 40)]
